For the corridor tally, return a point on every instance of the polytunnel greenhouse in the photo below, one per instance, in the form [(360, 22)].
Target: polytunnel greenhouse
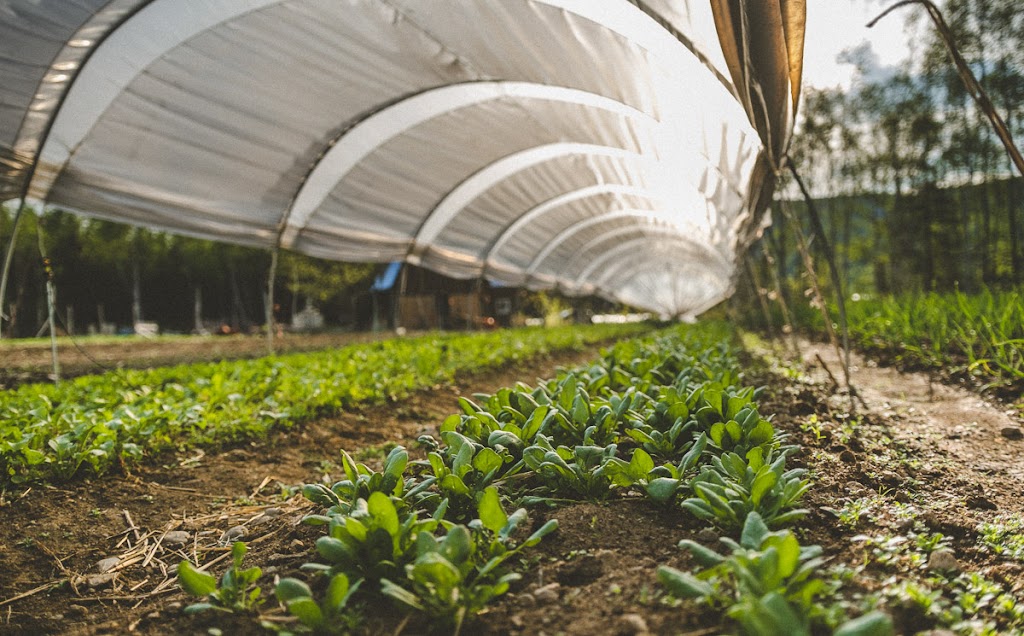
[(618, 148), (507, 418)]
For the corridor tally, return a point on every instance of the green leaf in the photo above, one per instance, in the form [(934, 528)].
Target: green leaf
[(762, 484), (706, 557), (307, 611), (451, 423), (542, 532), (533, 425), (195, 582), (238, 550), (491, 513), (351, 472), (789, 553), (437, 465), (514, 520), (383, 512), (457, 545), (761, 433), (400, 594), (755, 457), (433, 569), (717, 432), (663, 489), (683, 585), (871, 624), (337, 592), (356, 528), (487, 460), (195, 608), (732, 427), (451, 483), (463, 461), (289, 588), (334, 551), (468, 406), (754, 532), (641, 463), (580, 410), (396, 462), (693, 455)]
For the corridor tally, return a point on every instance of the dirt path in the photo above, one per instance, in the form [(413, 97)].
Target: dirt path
[(955, 432)]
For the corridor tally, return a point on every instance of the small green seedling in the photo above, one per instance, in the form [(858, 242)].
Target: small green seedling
[(326, 617), (236, 592)]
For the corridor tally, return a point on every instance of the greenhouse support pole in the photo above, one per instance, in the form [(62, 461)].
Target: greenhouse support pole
[(51, 303), (398, 294), (8, 259), (819, 234), (269, 309)]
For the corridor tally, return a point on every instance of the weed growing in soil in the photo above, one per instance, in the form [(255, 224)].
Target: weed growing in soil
[(1005, 537), (236, 591)]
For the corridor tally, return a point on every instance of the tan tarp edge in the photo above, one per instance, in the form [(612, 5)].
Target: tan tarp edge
[(763, 43)]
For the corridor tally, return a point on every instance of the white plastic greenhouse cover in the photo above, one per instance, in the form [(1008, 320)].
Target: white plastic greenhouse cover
[(624, 148)]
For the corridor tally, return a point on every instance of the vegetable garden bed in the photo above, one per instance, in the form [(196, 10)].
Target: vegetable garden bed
[(877, 508)]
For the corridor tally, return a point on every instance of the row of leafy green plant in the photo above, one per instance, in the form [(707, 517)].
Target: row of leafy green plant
[(94, 423), (979, 333), (666, 418)]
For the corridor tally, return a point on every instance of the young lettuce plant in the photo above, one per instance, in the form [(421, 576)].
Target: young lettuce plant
[(373, 541), (236, 592), (732, 487), (329, 616), (361, 481), (661, 483), (577, 471), (766, 583), (465, 470), (454, 577)]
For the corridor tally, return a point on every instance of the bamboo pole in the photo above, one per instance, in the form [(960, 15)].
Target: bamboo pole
[(805, 253)]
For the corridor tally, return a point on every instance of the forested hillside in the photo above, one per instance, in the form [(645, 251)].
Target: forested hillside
[(915, 189)]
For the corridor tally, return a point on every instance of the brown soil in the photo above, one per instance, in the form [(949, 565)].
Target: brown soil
[(938, 452)]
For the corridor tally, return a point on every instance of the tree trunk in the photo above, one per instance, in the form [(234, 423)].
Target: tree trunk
[(988, 270), (1012, 203)]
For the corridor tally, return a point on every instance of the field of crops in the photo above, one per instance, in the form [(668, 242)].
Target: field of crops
[(674, 481)]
